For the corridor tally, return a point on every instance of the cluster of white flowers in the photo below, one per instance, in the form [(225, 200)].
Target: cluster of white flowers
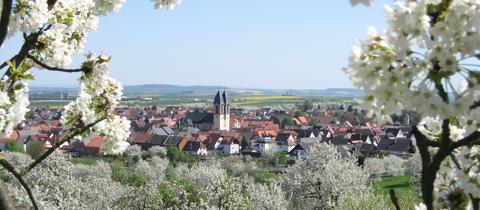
[(13, 106), (104, 6), (98, 97), (60, 30), (424, 63), (388, 165), (364, 2), (470, 176), (432, 128), (153, 169), (318, 182), (166, 4), (59, 184), (29, 16), (222, 191), (403, 69), (267, 196)]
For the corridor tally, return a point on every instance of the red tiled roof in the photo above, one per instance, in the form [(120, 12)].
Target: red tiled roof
[(95, 142), (325, 119), (15, 135), (302, 120), (141, 137)]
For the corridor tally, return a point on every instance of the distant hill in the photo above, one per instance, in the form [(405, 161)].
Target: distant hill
[(165, 88), (160, 88)]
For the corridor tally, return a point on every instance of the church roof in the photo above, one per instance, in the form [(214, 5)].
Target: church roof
[(224, 97), (217, 98)]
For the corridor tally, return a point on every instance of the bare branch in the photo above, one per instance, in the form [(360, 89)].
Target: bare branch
[(67, 136), (5, 19), (19, 177), (45, 66)]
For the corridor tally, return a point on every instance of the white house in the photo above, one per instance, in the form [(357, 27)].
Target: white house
[(195, 148), (264, 145), (285, 142), (230, 146)]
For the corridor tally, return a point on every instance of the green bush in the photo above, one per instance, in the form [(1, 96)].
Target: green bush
[(127, 176), (175, 156), (265, 177), (12, 146), (35, 149)]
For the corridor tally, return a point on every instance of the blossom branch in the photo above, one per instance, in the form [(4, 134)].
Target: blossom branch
[(475, 105), (5, 19), (63, 139), (431, 165), (28, 45), (19, 177), (436, 13), (45, 66), (467, 141)]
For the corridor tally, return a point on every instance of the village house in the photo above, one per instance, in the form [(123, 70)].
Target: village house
[(195, 148)]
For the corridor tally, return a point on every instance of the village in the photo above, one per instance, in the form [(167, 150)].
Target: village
[(221, 130)]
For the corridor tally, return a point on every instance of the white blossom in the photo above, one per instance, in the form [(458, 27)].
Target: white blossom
[(417, 65), (222, 191), (396, 70), (364, 2), (421, 206), (318, 182), (153, 169), (58, 184), (388, 165), (166, 4)]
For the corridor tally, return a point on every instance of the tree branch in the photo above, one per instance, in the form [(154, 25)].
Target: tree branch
[(475, 105), (63, 139), (5, 19), (19, 177), (45, 66), (467, 141)]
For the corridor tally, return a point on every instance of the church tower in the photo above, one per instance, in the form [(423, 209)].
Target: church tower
[(221, 112)]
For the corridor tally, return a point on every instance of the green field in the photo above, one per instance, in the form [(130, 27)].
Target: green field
[(48, 103), (203, 100), (401, 184)]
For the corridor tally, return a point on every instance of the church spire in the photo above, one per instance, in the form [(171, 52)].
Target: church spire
[(217, 98), (224, 97)]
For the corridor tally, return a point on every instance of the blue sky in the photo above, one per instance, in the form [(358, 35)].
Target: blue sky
[(278, 44)]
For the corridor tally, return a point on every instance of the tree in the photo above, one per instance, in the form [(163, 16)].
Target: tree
[(153, 169), (53, 32), (35, 149), (288, 121), (222, 191), (305, 106), (300, 114), (414, 66), (267, 196), (74, 186), (318, 182)]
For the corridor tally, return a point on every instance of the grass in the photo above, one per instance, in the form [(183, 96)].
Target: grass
[(407, 196)]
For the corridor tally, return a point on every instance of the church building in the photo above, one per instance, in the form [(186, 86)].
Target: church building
[(221, 112), (219, 120)]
